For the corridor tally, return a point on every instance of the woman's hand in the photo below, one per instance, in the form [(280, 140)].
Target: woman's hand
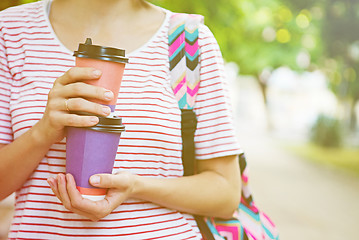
[(120, 187), (71, 94)]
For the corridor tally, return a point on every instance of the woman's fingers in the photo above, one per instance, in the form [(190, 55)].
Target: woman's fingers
[(97, 209), (76, 74), (84, 90), (66, 199), (73, 120), (82, 105), (61, 185), (53, 184)]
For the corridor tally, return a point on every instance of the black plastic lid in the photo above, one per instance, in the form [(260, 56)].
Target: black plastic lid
[(109, 124), (87, 50)]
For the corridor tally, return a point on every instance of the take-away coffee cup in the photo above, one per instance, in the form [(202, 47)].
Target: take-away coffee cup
[(111, 61), (92, 150)]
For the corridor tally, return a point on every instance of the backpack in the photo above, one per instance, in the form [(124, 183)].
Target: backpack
[(248, 222)]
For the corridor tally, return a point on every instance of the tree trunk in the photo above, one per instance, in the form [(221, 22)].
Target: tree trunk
[(353, 116), (263, 84)]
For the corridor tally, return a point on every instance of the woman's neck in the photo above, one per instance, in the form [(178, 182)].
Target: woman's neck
[(117, 23), (97, 11)]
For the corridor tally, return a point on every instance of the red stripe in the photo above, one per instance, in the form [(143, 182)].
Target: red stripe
[(49, 59), (214, 112), (25, 33), (6, 133), (148, 161), (152, 168), (214, 70), (150, 58), (102, 235), (24, 26), (26, 113), (212, 133), (150, 139), (174, 234), (44, 64), (154, 52), (214, 126), (150, 147), (25, 120), (211, 84), (31, 39), (146, 111), (213, 105), (158, 46), (26, 107), (36, 194), (42, 51), (151, 124), (53, 165), (209, 58), (214, 139), (212, 153), (208, 65), (27, 15), (102, 227), (216, 145), (146, 64), (88, 220), (209, 92), (142, 76), (26, 44), (143, 98), (150, 154), (20, 21), (144, 70), (214, 51), (204, 99), (43, 70)]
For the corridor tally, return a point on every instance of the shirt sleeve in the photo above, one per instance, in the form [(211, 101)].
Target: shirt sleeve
[(6, 134), (215, 135)]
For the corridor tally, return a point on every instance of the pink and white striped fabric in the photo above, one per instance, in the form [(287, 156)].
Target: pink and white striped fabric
[(31, 58)]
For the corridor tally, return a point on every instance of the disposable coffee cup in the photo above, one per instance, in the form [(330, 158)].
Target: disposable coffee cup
[(92, 150), (111, 61)]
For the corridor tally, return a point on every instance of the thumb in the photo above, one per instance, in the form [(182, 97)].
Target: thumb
[(103, 180)]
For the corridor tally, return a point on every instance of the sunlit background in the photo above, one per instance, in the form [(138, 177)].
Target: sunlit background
[(293, 69)]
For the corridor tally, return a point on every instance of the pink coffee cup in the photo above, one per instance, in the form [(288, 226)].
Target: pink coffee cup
[(111, 62)]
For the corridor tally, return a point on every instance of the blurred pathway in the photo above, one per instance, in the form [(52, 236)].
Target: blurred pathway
[(305, 200)]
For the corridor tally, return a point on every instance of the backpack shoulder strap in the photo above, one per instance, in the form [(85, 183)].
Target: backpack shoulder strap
[(184, 57), (185, 79)]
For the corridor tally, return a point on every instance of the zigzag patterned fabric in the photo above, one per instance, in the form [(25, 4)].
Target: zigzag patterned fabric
[(248, 222), (183, 47)]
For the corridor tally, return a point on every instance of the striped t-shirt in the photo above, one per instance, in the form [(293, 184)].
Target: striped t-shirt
[(31, 58)]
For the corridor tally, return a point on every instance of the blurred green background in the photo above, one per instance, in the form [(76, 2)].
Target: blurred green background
[(262, 36), (293, 68)]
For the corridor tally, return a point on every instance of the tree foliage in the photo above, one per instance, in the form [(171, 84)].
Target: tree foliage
[(258, 34)]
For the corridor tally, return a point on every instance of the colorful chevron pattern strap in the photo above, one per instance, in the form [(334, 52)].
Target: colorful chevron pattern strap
[(184, 58)]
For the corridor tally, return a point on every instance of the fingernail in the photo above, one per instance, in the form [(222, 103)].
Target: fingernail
[(96, 73), (106, 110), (49, 182), (108, 95), (95, 180), (94, 119)]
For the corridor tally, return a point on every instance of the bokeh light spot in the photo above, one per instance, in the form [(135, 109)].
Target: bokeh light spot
[(283, 35)]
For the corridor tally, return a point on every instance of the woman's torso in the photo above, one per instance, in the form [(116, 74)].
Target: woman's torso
[(151, 145)]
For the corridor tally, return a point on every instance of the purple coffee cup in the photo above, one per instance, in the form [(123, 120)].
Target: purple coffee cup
[(92, 151)]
